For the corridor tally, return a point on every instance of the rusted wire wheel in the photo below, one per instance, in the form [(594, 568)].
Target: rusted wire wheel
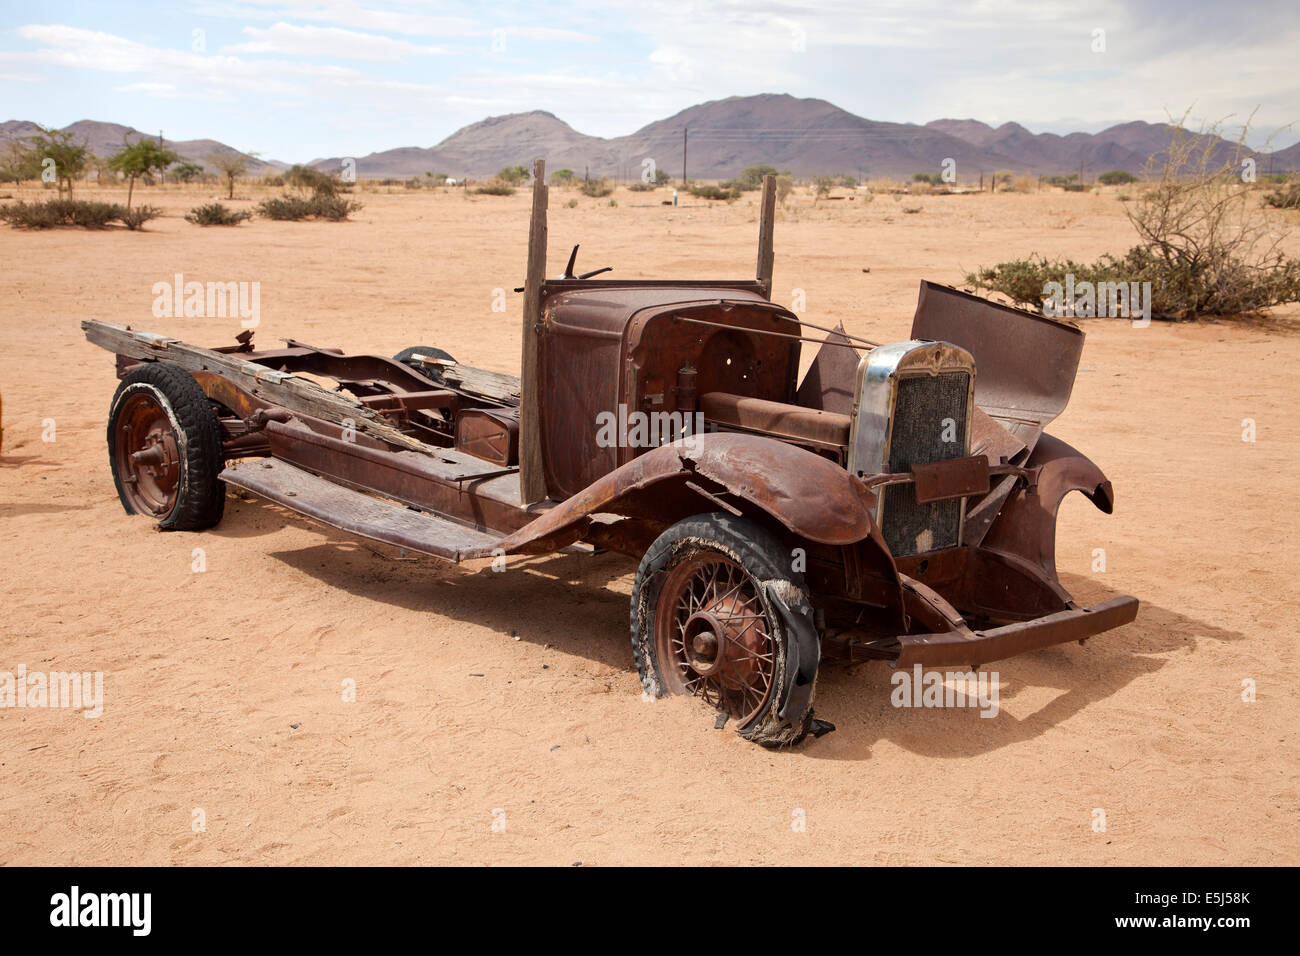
[(711, 635), (164, 446), (718, 613)]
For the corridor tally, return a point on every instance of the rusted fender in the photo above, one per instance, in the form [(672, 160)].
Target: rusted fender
[(810, 496), (1026, 525)]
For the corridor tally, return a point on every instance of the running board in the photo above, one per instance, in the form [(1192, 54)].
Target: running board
[(357, 512)]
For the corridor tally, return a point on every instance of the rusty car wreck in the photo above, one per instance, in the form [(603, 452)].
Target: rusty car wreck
[(898, 504)]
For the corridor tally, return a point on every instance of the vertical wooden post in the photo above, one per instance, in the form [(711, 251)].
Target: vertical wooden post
[(532, 478), (766, 222)]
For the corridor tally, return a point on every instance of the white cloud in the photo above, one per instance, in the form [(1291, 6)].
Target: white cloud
[(332, 42)]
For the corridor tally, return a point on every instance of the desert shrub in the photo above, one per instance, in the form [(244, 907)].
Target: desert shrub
[(911, 210), (514, 174), (496, 188), (60, 212), (273, 179), (135, 218), (1204, 245), (1286, 196), (596, 188), (640, 187), (317, 206), (1116, 177), (572, 203), (1059, 180), (215, 214), (715, 192), (932, 179), (562, 177), (1074, 187)]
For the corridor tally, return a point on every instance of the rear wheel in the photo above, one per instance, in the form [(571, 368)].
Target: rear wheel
[(164, 446), (718, 613)]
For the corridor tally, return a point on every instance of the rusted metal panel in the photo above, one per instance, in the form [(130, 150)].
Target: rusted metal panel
[(1027, 363), (955, 478), (829, 381), (489, 433), (359, 514)]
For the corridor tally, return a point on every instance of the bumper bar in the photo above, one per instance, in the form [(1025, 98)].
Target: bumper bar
[(965, 647)]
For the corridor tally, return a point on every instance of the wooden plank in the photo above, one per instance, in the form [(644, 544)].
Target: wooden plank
[(766, 224), (474, 381), (532, 478), (278, 388)]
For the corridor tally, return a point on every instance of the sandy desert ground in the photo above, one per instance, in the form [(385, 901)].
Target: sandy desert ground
[(223, 688)]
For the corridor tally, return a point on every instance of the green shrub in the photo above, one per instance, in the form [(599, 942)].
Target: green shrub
[(715, 192), (60, 212), (1116, 177), (596, 188), (215, 214), (318, 206), (497, 188), (1075, 187), (135, 218), (640, 187), (514, 174)]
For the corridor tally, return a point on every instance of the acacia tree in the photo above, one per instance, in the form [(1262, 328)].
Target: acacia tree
[(140, 159), (53, 148), (230, 165)]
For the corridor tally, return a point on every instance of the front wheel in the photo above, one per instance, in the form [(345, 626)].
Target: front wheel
[(719, 613)]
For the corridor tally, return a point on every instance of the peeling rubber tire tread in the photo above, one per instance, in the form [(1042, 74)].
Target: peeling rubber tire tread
[(763, 557), (201, 499)]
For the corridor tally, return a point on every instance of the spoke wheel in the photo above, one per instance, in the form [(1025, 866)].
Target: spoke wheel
[(712, 636), (719, 613)]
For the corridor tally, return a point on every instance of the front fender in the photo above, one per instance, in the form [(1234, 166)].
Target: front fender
[(808, 495), (1026, 525)]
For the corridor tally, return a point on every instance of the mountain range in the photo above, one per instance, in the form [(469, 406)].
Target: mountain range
[(808, 137)]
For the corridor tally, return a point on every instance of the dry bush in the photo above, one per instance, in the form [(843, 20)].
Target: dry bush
[(1206, 246), (596, 188), (494, 188), (215, 214)]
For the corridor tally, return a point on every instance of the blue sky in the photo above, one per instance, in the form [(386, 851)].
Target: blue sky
[(299, 79)]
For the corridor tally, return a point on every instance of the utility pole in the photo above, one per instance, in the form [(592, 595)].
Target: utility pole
[(684, 132)]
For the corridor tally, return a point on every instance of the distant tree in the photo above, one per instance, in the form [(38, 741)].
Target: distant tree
[(514, 174), (188, 172), (312, 179), (19, 164), (140, 159), (53, 149), (751, 177), (230, 165), (1116, 177), (822, 186), (662, 177), (563, 177)]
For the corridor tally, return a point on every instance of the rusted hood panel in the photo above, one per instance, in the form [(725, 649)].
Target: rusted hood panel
[(811, 496), (1025, 363)]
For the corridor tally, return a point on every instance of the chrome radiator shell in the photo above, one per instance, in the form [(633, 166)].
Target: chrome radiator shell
[(913, 403)]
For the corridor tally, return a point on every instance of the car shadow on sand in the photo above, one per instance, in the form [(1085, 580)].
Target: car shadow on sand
[(578, 604)]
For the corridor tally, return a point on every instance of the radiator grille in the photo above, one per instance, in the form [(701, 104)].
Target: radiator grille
[(918, 432)]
